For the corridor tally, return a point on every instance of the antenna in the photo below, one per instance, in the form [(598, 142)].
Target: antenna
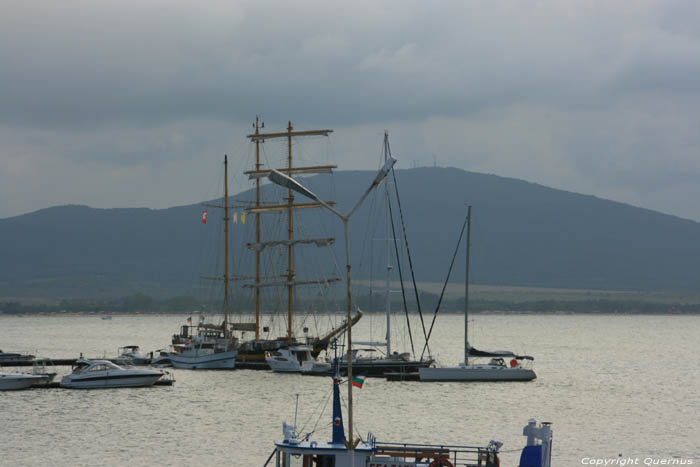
[(296, 410)]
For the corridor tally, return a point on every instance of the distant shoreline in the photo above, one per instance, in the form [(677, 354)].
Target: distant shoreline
[(450, 312)]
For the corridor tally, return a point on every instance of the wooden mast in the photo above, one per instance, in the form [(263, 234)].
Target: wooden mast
[(257, 232), (226, 282), (290, 248), (289, 207)]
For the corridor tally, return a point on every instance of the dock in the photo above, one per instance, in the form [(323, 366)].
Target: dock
[(401, 376), (71, 361)]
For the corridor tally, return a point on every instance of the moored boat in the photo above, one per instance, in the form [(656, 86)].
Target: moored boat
[(132, 355), (17, 381), (296, 359), (15, 357), (98, 374), (518, 369)]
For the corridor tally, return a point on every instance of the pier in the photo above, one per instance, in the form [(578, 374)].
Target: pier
[(71, 361)]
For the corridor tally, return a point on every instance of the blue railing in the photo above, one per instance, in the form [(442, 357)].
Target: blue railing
[(462, 456)]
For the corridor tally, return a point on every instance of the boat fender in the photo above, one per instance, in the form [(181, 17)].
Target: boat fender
[(441, 463), (513, 363)]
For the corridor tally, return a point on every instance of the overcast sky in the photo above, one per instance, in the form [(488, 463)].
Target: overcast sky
[(134, 103)]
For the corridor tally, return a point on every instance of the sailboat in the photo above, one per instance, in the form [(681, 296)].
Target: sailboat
[(209, 346), (347, 451), (392, 362), (496, 369), (256, 353)]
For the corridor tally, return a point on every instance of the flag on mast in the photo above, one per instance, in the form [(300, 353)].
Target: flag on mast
[(204, 217), (358, 381)]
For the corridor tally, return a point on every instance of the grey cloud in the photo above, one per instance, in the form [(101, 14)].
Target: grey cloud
[(591, 96)]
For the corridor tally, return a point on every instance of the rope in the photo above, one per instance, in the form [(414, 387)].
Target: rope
[(403, 290), (444, 286), (410, 262)]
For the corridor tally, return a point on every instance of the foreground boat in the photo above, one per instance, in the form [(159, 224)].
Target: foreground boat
[(294, 450), (98, 374), (496, 369)]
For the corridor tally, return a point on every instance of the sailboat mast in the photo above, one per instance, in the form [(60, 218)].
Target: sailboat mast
[(466, 288), (226, 282), (290, 248), (257, 233), (387, 154)]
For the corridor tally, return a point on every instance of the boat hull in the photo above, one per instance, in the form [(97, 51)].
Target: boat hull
[(111, 381), (213, 361), (476, 373), (15, 382)]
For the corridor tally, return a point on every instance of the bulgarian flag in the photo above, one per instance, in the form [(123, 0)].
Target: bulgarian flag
[(358, 381), (204, 217), (189, 319)]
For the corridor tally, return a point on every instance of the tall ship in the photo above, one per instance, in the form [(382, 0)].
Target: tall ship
[(268, 263)]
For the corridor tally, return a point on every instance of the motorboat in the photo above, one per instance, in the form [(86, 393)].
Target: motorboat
[(296, 359), (95, 374), (16, 381), (14, 356), (132, 355), (39, 368), (161, 358)]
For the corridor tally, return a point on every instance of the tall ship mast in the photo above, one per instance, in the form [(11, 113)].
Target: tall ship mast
[(256, 349)]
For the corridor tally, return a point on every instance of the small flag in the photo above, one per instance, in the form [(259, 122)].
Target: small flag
[(235, 218), (358, 381), (243, 217), (189, 319), (204, 217)]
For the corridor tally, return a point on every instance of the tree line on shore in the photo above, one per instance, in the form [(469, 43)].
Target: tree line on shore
[(143, 303)]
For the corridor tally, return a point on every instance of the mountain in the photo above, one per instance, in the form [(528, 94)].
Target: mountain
[(523, 234)]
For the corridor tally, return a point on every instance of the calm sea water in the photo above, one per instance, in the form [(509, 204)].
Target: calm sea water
[(611, 384)]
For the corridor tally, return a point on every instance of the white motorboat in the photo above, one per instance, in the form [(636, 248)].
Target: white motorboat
[(161, 358), (132, 355), (296, 359), (496, 369), (16, 381), (96, 374)]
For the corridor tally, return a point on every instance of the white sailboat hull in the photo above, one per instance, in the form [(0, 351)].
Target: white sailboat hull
[(211, 361), (476, 373)]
